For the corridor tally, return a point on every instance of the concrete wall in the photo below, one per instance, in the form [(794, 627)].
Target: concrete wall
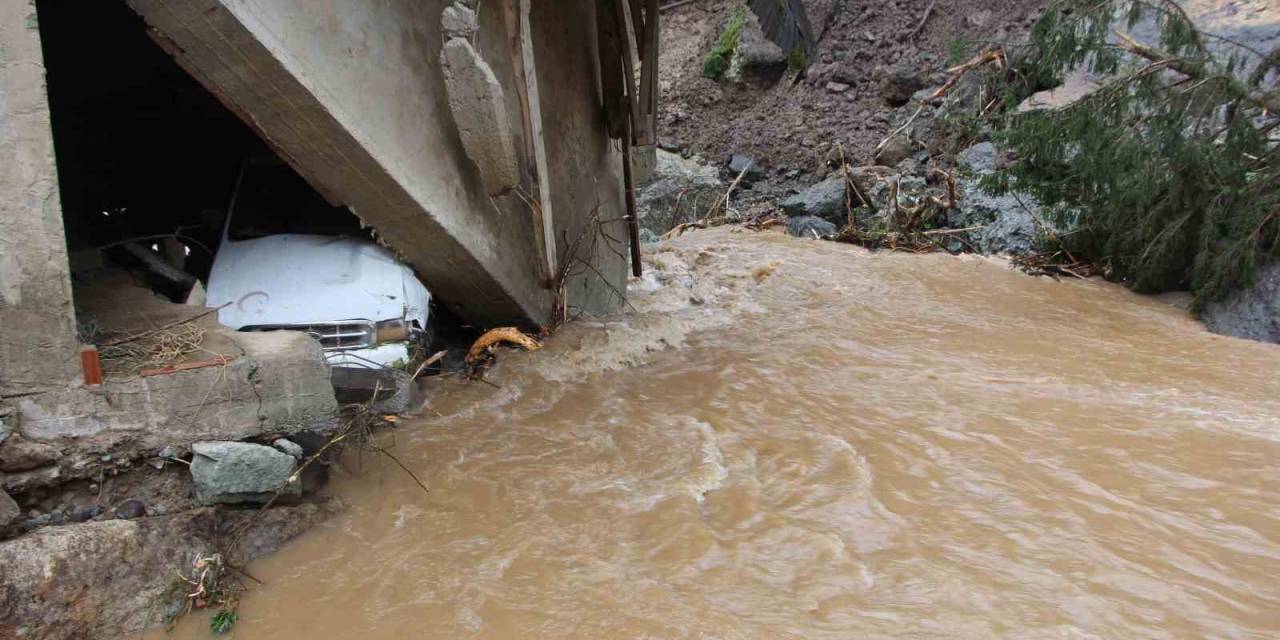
[(38, 347), (586, 167)]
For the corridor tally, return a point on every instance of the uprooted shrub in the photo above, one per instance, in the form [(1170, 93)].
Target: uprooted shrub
[(1167, 175)]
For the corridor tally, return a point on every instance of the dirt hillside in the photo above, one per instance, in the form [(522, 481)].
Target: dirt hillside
[(838, 98)]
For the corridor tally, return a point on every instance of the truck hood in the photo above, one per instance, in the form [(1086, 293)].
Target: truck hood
[(298, 279)]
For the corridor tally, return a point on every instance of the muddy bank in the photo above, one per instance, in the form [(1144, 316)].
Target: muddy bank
[(869, 55), (116, 578)]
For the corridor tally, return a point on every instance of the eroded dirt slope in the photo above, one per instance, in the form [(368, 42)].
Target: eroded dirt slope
[(787, 126)]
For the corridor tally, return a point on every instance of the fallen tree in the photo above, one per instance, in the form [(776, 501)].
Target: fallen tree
[(1167, 174)]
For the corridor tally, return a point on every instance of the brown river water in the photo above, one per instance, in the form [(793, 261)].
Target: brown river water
[(795, 439)]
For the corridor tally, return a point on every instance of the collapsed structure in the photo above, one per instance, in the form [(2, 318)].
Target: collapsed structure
[(486, 144)]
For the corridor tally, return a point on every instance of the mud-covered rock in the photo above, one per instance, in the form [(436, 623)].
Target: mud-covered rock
[(1252, 313), (130, 509), (895, 150), (825, 200), (899, 83), (9, 510), (810, 227), (681, 190), (756, 61), (747, 166), (233, 472)]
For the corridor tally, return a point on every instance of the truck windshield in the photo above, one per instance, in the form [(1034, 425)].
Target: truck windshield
[(273, 199)]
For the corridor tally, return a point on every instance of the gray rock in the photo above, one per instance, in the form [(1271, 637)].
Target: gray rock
[(980, 158), (23, 481), (9, 510), (130, 509), (756, 60), (289, 447), (1008, 226), (895, 150), (825, 200), (1252, 313), (681, 190), (232, 472), (737, 163), (899, 84), (458, 22), (4, 431), (810, 227), (85, 513)]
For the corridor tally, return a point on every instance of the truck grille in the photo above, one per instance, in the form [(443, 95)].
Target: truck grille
[(333, 336)]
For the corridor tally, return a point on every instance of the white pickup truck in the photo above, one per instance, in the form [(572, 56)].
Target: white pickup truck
[(289, 260)]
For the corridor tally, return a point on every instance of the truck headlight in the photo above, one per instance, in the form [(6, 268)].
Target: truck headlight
[(391, 331)]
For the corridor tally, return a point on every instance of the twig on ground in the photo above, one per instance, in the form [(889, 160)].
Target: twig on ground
[(928, 11)]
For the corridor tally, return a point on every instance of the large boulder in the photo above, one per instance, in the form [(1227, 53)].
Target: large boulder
[(1009, 222), (1252, 313), (681, 191), (234, 472), (756, 61), (825, 200)]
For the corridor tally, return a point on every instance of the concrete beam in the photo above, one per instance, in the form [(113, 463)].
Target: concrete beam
[(353, 96), (38, 346)]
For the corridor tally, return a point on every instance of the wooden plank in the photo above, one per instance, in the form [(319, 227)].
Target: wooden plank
[(186, 366), (612, 82), (544, 219)]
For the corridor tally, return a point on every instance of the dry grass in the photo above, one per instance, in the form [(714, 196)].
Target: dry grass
[(155, 350)]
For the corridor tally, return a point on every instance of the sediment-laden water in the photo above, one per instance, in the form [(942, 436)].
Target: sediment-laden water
[(795, 439)]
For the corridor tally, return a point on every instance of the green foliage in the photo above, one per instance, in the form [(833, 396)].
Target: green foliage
[(1165, 175), (796, 60), (717, 61), (958, 50), (223, 621)]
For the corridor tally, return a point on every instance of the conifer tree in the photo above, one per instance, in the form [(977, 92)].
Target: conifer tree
[(1168, 174)]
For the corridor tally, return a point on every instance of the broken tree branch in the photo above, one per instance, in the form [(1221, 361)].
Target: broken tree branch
[(1196, 71)]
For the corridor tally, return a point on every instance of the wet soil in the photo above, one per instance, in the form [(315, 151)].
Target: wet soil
[(789, 125)]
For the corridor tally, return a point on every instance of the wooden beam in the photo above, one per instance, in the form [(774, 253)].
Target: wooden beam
[(544, 218)]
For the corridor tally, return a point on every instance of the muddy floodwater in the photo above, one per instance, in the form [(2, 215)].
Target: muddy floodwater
[(796, 439)]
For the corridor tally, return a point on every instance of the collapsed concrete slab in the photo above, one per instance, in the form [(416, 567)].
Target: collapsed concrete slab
[(276, 386), (475, 98), (354, 97)]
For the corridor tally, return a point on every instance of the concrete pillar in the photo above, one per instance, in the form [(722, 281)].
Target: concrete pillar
[(38, 345)]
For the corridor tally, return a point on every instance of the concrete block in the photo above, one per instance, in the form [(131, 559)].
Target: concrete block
[(477, 104), (277, 386), (458, 22), (235, 472)]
